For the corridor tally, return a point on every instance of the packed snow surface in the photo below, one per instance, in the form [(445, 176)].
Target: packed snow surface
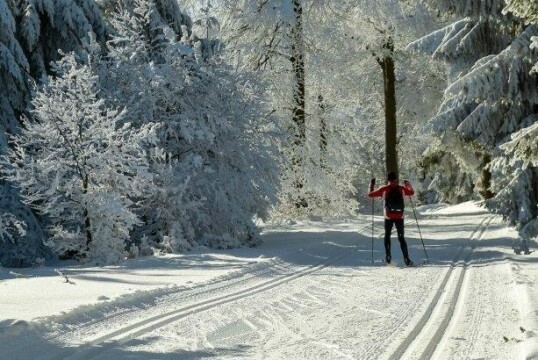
[(310, 291)]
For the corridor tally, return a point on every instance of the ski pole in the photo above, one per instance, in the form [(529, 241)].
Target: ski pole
[(372, 185), (372, 230), (418, 226)]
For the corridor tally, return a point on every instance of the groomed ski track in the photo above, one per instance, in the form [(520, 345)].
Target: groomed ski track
[(427, 334), (321, 298), (127, 333)]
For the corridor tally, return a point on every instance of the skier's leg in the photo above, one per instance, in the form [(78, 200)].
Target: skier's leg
[(388, 229), (403, 245)]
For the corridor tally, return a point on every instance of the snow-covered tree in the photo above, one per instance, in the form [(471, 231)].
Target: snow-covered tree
[(479, 30), (491, 95), (215, 171), (352, 66), (31, 33), (10, 227), (22, 243), (14, 69), (339, 70), (80, 164), (46, 26), (523, 145), (381, 30), (263, 35), (527, 10)]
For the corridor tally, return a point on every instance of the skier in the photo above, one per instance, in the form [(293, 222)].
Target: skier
[(393, 194)]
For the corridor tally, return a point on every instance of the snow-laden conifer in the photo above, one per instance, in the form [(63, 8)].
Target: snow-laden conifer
[(11, 227), (491, 99), (24, 248), (13, 74), (44, 26), (525, 9)]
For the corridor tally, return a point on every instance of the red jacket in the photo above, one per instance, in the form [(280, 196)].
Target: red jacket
[(407, 190)]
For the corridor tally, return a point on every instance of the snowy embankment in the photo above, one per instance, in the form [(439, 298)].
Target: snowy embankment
[(310, 291)]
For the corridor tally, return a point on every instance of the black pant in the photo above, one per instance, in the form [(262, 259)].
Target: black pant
[(400, 230)]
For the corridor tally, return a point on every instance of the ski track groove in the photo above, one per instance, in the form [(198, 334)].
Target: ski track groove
[(426, 317), (267, 268), (194, 292), (257, 271), (478, 314), (374, 349), (123, 335), (447, 318), (476, 319), (200, 289)]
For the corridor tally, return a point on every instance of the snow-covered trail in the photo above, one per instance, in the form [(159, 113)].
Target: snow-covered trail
[(315, 294)]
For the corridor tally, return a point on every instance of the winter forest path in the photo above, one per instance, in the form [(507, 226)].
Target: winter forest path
[(317, 295)]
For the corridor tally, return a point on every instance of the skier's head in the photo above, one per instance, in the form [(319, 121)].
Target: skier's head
[(391, 176)]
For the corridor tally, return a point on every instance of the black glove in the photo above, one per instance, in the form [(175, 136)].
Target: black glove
[(406, 182), (372, 182)]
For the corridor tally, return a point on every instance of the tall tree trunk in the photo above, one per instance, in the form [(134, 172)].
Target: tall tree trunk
[(534, 191), (322, 134), (389, 82), (299, 114), (87, 221), (485, 178)]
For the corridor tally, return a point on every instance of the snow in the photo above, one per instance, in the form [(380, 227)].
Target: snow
[(468, 207), (310, 291), (93, 285)]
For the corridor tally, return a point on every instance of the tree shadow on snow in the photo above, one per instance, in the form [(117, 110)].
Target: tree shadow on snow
[(441, 241), (131, 351), (21, 340)]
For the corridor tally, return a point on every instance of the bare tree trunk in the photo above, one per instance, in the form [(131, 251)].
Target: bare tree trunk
[(322, 134), (299, 114), (87, 221), (485, 179), (534, 192), (389, 82)]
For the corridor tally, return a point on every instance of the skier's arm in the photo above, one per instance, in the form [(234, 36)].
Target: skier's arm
[(408, 189), (377, 193)]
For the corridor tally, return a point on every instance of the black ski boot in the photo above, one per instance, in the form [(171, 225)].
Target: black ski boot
[(408, 262), (388, 259)]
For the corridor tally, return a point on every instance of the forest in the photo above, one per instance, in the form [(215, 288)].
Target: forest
[(131, 127)]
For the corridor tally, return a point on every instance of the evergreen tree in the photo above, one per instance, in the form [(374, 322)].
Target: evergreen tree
[(527, 10), (13, 75), (491, 95), (45, 26), (31, 33)]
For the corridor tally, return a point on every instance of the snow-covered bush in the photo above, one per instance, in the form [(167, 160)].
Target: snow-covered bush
[(81, 164)]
